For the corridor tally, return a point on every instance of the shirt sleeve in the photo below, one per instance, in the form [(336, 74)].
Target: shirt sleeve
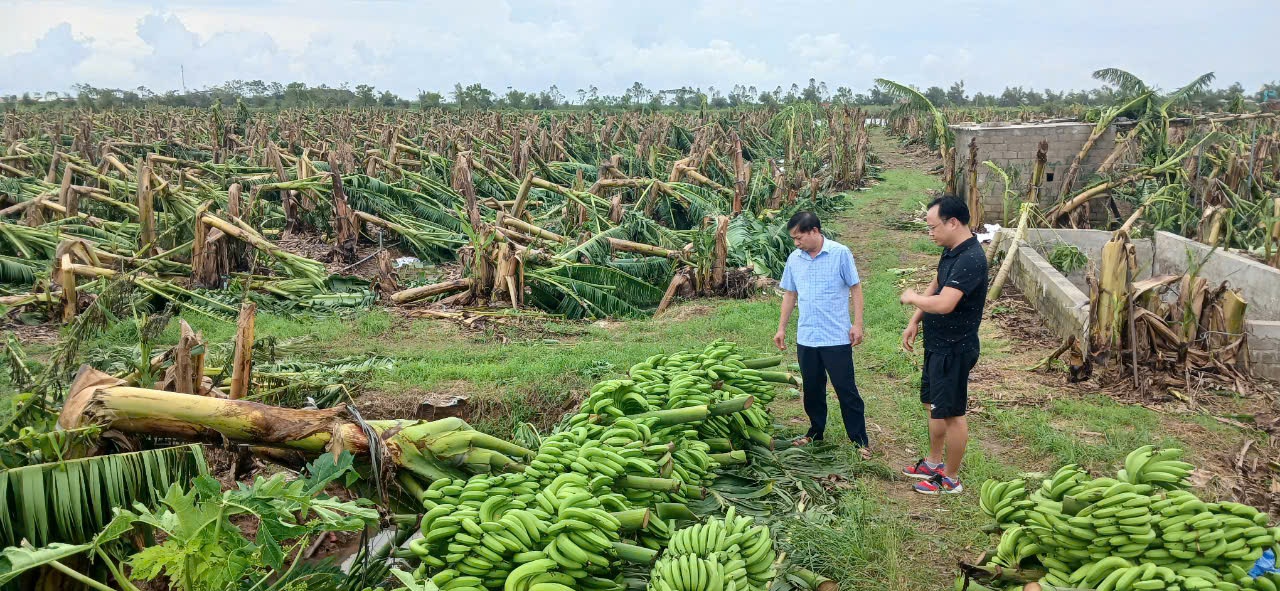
[(966, 275), (788, 282), (849, 270)]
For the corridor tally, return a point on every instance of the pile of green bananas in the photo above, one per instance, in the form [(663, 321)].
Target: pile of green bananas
[(627, 446), (609, 486), (730, 554), (1142, 530), (500, 522), (663, 382)]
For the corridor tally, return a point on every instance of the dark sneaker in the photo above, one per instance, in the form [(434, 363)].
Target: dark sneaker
[(939, 485), (922, 470)]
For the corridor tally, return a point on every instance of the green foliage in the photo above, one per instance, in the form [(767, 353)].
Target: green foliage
[(205, 548), (71, 501), (1067, 258)]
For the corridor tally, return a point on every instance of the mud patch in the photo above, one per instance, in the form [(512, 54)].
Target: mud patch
[(687, 311), (408, 403)]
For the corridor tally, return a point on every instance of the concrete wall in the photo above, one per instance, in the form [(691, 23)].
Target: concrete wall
[(1064, 304), (1013, 146), (1264, 348), (1045, 240), (1259, 284)]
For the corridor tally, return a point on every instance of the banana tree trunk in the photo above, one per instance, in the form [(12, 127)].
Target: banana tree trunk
[(346, 228), (720, 261), (974, 196), (1111, 295), (432, 449), (1067, 207), (1037, 173), (426, 291), (619, 244), (242, 365), (1002, 275), (1074, 169)]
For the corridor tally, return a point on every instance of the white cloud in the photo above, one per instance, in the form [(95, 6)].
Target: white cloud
[(829, 55), (41, 68)]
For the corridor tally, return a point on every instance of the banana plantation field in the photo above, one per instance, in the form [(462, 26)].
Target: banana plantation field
[(357, 350)]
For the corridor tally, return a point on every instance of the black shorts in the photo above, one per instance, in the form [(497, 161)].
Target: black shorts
[(944, 385)]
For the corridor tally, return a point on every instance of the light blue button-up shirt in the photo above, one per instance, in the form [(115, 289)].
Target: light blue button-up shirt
[(822, 283)]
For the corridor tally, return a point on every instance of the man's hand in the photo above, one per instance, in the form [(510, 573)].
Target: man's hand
[(855, 335), (780, 340), (909, 297), (909, 336)]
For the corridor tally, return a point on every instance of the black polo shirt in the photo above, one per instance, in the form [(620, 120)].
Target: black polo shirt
[(964, 268)]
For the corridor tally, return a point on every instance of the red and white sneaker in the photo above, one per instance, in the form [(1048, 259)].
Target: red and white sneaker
[(939, 485), (922, 470)]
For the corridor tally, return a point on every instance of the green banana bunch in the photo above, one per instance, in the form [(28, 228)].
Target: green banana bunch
[(1000, 500), (1141, 530), (720, 554), (1161, 468), (582, 533)]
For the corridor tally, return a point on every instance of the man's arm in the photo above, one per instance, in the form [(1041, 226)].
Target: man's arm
[(919, 314), (788, 304), (965, 276), (855, 332), (943, 303), (913, 325)]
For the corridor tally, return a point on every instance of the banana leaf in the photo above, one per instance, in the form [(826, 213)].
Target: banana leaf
[(72, 500)]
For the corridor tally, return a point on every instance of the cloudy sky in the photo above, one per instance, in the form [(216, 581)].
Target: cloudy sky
[(406, 46)]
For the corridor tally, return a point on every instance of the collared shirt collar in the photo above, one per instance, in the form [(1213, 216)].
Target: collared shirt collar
[(950, 252), (826, 247)]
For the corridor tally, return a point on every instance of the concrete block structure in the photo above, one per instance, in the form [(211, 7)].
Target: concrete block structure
[(1012, 147)]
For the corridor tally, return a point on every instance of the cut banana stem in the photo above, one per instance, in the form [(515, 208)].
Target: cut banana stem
[(677, 511), (403, 520), (646, 483), (763, 362), (815, 581), (719, 444), (410, 484), (732, 457), (676, 416), (634, 519), (695, 492), (635, 554), (729, 407), (779, 377)]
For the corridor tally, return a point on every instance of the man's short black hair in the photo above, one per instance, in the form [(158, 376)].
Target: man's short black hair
[(951, 207), (804, 221)]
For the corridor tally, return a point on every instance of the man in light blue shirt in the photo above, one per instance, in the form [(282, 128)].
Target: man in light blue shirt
[(820, 275)]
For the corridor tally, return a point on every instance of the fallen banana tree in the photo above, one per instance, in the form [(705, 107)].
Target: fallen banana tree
[(429, 450), (432, 449), (1138, 324)]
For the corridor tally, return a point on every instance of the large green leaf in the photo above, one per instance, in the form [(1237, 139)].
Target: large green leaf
[(1124, 81), (18, 270), (915, 103), (590, 291), (16, 560), (71, 501)]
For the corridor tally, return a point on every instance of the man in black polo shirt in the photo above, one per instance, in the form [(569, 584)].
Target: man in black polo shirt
[(951, 309)]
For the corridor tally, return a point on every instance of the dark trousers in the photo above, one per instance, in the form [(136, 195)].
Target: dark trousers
[(816, 363)]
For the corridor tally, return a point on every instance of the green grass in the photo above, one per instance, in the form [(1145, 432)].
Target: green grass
[(858, 541)]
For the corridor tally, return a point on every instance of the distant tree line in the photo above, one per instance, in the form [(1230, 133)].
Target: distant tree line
[(274, 95)]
